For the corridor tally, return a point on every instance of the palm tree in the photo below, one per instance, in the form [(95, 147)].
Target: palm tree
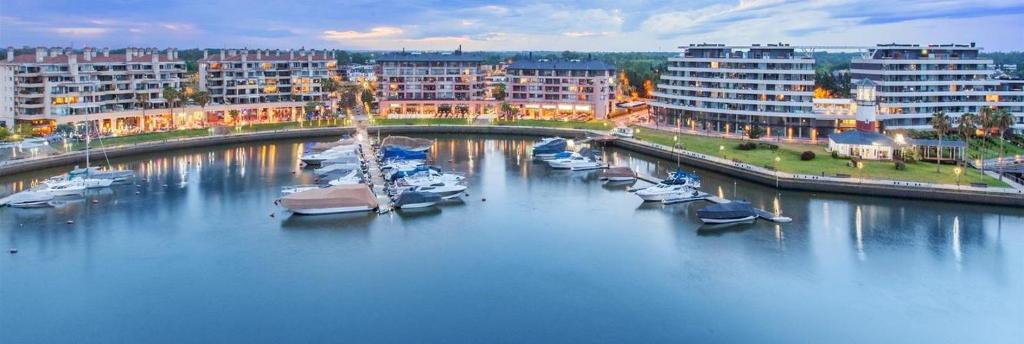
[(143, 100), (170, 96), (986, 120), (967, 125), (1002, 120), (940, 122), (202, 98)]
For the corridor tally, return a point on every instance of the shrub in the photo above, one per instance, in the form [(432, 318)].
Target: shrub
[(835, 155), (901, 165), (807, 155), (768, 146), (747, 146)]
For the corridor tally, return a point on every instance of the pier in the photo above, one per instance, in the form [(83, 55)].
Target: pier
[(377, 180)]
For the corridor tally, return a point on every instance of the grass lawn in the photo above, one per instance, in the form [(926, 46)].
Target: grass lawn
[(140, 138), (789, 153), (978, 149), (593, 125), (421, 121)]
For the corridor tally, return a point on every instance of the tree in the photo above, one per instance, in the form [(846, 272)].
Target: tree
[(986, 120), (311, 107), (1002, 120), (348, 95), (508, 110), (170, 95), (233, 116), (142, 99), (940, 122), (368, 98), (331, 87), (202, 98), (4, 134), (499, 92)]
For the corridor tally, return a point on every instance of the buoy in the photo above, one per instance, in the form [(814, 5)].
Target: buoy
[(271, 214), (467, 194), (165, 185), (95, 201), (138, 192), (71, 221), (483, 200), (14, 250)]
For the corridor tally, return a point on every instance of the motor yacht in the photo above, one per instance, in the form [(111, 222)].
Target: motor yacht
[(548, 147), (331, 200), (29, 199), (660, 192), (732, 212), (416, 199)]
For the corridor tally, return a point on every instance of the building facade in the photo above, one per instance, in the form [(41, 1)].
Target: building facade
[(579, 90), (731, 89), (60, 85), (241, 76), (431, 84), (6, 96), (914, 81)]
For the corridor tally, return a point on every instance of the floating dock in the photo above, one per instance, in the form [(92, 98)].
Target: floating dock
[(377, 180)]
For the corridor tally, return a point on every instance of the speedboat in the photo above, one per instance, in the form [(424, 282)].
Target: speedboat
[(732, 212), (681, 177), (416, 199), (684, 198), (336, 152), (74, 187), (625, 132), (618, 174), (445, 190), (352, 177), (661, 192), (335, 167), (90, 183), (547, 147), (29, 199), (332, 200), (575, 163)]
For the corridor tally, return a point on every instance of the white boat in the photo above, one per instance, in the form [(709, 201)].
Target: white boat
[(732, 212), (695, 196), (576, 163), (625, 132), (352, 177), (64, 188), (444, 190), (90, 183), (29, 199), (336, 152), (95, 173), (34, 142), (336, 167), (661, 192), (332, 200)]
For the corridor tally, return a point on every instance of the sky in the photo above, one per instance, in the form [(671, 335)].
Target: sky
[(595, 25)]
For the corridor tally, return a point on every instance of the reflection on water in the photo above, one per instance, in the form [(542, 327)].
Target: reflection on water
[(192, 242)]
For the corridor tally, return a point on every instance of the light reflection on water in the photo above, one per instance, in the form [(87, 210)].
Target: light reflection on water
[(546, 246)]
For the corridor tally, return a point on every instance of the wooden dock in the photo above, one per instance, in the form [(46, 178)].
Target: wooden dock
[(377, 180)]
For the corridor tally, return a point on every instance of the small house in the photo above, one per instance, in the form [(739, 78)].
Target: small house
[(867, 145)]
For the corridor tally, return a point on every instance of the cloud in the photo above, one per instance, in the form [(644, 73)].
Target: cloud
[(374, 33), (81, 31), (577, 34)]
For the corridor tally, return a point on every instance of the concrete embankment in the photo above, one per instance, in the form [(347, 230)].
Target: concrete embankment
[(832, 186)]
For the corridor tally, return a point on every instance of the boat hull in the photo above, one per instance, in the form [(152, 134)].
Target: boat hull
[(733, 220), (417, 205), (336, 210)]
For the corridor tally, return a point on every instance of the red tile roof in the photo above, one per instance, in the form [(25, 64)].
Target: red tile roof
[(63, 59), (283, 56)]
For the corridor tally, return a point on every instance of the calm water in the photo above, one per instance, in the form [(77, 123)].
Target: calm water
[(549, 256)]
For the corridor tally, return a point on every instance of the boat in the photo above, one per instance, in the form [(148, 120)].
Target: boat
[(336, 152), (331, 200), (90, 183), (732, 212), (661, 192), (618, 174), (33, 142), (285, 190), (398, 173), (445, 190), (416, 199), (684, 198), (625, 132), (547, 147), (586, 159), (407, 143), (352, 177), (336, 167), (680, 177), (29, 199), (74, 187), (402, 154), (325, 146), (117, 176)]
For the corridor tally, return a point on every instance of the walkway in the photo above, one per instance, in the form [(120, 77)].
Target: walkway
[(377, 181), (688, 131)]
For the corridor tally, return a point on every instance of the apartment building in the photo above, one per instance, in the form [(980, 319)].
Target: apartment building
[(242, 76), (6, 96), (431, 84), (574, 89), (729, 89), (60, 85), (1009, 95), (914, 81)]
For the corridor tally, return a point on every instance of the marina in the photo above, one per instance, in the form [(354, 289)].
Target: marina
[(541, 233)]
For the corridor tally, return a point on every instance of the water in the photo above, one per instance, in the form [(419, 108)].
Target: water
[(549, 256)]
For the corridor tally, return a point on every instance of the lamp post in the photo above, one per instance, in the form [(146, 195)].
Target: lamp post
[(721, 150), (776, 167), (957, 171), (860, 174)]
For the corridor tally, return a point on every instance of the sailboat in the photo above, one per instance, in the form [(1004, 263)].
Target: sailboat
[(95, 177)]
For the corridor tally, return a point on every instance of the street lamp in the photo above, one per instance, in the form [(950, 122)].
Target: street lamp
[(721, 150), (957, 171), (860, 168), (776, 166)]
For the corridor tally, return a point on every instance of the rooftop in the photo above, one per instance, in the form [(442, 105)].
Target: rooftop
[(562, 65), (431, 57), (860, 137)]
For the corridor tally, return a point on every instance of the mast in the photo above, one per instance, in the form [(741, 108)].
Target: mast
[(87, 146)]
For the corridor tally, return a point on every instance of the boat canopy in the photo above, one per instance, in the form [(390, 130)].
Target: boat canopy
[(412, 172), (398, 153), (413, 197), (550, 146), (341, 196), (407, 143), (731, 210), (681, 177)]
